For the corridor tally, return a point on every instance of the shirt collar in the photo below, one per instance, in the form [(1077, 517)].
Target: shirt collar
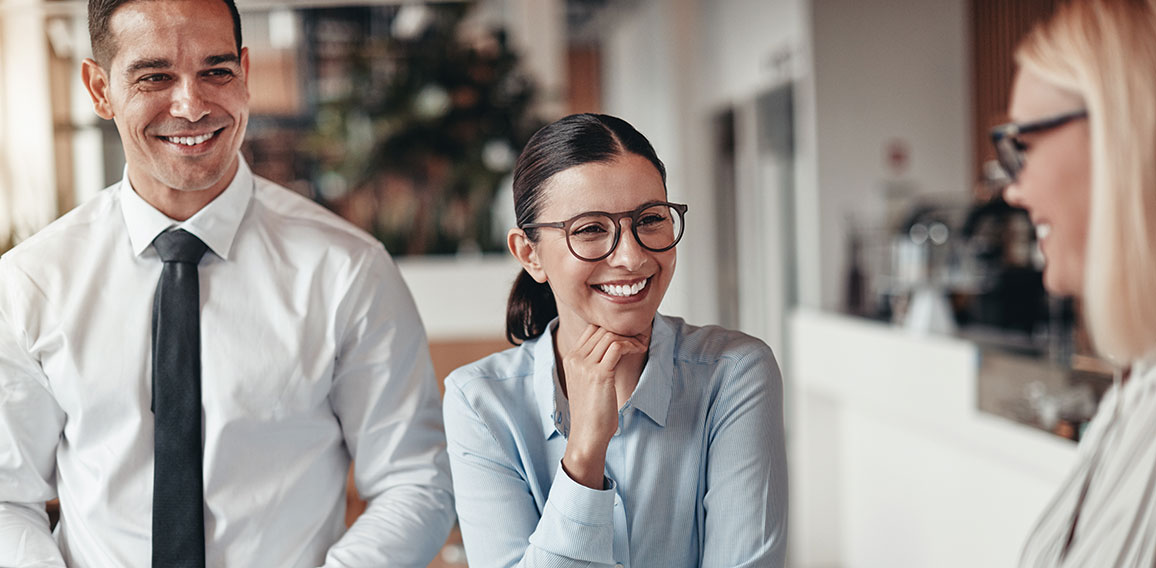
[(651, 396), (216, 223), (1145, 362)]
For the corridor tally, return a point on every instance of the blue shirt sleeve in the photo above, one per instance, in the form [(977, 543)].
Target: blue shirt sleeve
[(746, 491), (500, 520)]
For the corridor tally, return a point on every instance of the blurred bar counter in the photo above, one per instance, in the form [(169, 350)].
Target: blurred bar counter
[(895, 459)]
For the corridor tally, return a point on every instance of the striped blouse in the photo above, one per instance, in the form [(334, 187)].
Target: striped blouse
[(1105, 513)]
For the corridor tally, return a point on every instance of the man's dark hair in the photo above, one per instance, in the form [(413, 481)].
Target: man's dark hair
[(104, 45)]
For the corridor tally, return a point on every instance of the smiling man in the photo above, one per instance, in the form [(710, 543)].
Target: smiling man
[(191, 360)]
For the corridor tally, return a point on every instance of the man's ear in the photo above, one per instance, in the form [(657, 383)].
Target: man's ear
[(245, 64), (523, 250), (95, 79)]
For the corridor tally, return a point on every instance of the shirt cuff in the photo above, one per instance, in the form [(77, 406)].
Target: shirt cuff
[(577, 521)]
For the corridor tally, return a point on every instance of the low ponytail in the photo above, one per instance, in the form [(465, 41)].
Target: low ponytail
[(529, 310)]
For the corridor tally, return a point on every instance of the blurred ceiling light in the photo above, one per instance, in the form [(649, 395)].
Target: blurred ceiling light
[(498, 156), (282, 28), (60, 38), (432, 101), (411, 20)]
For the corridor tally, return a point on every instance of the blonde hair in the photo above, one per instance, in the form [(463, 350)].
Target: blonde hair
[(1105, 52)]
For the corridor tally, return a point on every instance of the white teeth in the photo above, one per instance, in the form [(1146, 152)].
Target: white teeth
[(189, 140), (1042, 231), (623, 291)]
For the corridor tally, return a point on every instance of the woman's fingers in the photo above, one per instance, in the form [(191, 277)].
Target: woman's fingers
[(594, 350), (583, 346), (600, 342), (643, 339), (623, 346), (641, 343), (611, 347), (613, 354)]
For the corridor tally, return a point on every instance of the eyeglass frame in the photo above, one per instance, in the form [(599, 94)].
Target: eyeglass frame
[(1009, 133), (616, 219)]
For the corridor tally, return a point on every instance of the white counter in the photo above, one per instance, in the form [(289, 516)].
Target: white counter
[(892, 465)]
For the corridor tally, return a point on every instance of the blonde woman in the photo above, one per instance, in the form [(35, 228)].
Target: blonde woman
[(1082, 157)]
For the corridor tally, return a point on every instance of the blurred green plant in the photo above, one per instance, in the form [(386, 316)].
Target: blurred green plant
[(417, 127)]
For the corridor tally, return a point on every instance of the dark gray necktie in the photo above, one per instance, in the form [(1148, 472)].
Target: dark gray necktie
[(178, 495)]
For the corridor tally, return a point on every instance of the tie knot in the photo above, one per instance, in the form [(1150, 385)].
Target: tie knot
[(179, 246)]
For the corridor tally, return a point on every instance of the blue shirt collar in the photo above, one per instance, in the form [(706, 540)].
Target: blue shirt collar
[(216, 223), (651, 396)]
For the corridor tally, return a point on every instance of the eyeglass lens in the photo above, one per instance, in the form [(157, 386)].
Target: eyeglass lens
[(593, 236), (1010, 155)]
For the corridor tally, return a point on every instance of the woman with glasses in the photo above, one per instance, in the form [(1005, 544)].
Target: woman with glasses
[(1082, 160), (612, 435)]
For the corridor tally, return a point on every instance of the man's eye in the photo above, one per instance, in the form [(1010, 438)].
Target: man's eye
[(154, 78), (219, 72)]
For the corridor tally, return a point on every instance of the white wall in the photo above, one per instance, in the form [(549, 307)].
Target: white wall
[(885, 70), (461, 298), (742, 39), (669, 67)]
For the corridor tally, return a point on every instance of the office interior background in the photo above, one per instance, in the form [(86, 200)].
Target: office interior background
[(832, 154)]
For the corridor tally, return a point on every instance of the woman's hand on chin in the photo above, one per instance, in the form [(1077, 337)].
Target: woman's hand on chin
[(588, 372)]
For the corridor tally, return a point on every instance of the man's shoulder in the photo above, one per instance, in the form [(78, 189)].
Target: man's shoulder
[(295, 215), (70, 231)]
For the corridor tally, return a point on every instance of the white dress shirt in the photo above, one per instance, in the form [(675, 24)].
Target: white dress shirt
[(1112, 487), (312, 354)]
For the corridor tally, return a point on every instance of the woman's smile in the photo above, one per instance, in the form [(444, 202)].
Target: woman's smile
[(624, 291)]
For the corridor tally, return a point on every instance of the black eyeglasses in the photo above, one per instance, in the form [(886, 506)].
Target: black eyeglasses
[(1009, 149), (593, 235)]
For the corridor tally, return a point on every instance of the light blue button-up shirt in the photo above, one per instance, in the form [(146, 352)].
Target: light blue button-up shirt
[(696, 473)]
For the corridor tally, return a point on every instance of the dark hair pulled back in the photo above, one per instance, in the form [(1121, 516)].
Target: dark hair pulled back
[(570, 141)]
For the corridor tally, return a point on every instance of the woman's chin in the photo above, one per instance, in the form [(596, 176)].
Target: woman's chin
[(629, 329), (1060, 283)]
